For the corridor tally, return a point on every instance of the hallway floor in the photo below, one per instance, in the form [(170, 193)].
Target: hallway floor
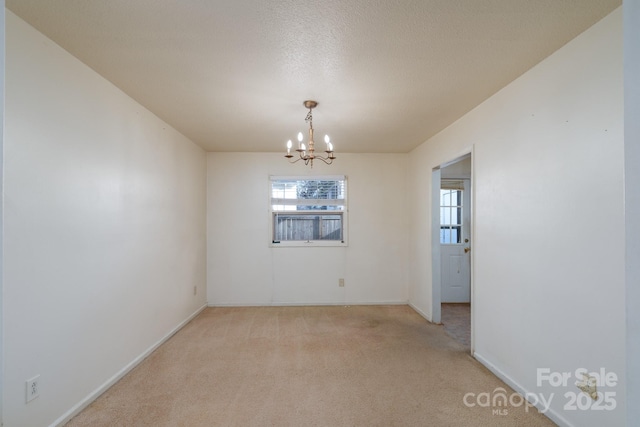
[(456, 319)]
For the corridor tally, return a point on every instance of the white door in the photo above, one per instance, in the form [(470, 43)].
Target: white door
[(455, 245)]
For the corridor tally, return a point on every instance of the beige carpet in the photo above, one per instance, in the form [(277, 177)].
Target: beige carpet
[(456, 320), (305, 366)]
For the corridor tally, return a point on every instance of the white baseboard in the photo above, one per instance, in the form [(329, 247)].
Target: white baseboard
[(550, 413), (303, 304), (420, 312), (66, 417)]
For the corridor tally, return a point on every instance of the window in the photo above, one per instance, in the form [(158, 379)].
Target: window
[(451, 212), (308, 210)]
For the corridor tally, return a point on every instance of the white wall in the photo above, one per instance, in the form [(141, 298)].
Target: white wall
[(244, 270), (632, 200), (1, 198), (104, 229), (459, 169), (549, 225)]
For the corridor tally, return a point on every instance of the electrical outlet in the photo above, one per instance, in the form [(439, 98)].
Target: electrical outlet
[(33, 388), (341, 283)]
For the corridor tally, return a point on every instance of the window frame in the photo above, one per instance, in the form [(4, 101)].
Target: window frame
[(344, 212), (453, 186)]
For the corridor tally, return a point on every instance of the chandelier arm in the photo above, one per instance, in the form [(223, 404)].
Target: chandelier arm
[(294, 161), (327, 160)]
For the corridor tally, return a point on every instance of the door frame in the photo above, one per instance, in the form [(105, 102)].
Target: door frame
[(436, 276)]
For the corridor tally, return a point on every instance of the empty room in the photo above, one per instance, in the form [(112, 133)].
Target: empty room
[(343, 213)]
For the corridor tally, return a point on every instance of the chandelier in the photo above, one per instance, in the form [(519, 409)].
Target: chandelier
[(308, 154)]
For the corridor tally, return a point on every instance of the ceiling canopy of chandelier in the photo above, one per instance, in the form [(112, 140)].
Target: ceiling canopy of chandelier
[(308, 153)]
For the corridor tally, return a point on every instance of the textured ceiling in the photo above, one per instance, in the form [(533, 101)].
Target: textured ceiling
[(388, 74)]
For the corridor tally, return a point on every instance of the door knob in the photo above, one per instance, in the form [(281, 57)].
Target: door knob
[(466, 250)]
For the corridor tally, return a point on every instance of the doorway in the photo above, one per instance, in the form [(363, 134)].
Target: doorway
[(451, 248)]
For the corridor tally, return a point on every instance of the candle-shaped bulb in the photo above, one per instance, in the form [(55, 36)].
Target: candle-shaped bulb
[(329, 147), (299, 136), (303, 147), (288, 146), (327, 140)]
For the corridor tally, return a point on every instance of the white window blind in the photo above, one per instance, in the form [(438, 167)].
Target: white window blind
[(324, 193), (452, 184)]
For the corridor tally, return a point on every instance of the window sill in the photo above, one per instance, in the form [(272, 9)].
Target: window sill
[(308, 244)]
